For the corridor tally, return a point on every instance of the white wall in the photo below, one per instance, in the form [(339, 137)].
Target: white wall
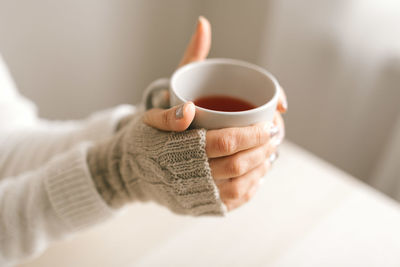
[(340, 64), (73, 57)]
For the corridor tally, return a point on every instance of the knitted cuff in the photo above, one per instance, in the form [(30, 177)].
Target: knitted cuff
[(177, 171), (143, 163)]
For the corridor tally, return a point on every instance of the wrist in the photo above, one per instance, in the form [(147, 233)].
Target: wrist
[(106, 179)]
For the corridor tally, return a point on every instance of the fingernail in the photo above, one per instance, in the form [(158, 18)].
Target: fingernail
[(272, 129), (273, 157), (179, 112), (198, 22), (200, 18)]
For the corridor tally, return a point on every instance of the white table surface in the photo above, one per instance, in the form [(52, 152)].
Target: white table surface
[(307, 213)]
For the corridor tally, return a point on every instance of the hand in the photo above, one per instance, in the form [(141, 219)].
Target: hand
[(189, 172), (238, 157)]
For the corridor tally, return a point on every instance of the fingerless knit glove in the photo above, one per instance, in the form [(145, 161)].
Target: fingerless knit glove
[(141, 163)]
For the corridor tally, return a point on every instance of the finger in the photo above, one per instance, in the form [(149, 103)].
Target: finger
[(232, 204), (280, 124), (236, 188), (176, 119), (228, 141), (240, 190), (282, 102), (200, 43), (241, 162)]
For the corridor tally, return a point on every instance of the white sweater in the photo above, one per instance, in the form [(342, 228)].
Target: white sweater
[(46, 191)]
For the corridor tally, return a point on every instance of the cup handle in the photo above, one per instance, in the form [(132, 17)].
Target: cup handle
[(156, 95)]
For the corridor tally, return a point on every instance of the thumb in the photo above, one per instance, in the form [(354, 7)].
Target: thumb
[(200, 44), (176, 119)]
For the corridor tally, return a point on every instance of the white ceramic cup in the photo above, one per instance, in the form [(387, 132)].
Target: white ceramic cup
[(227, 77)]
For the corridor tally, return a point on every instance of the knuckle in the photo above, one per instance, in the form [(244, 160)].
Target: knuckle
[(259, 136), (235, 192), (236, 167), (226, 144), (165, 118)]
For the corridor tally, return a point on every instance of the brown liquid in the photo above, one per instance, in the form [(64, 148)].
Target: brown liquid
[(223, 103)]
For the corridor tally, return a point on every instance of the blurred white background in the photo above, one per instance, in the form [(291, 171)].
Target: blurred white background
[(339, 62)]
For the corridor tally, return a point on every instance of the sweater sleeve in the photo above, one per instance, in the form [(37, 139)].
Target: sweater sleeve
[(28, 147), (46, 190), (47, 204)]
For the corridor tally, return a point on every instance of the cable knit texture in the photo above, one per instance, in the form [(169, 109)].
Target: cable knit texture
[(142, 163)]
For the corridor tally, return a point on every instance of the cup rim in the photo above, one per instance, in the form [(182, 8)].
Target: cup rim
[(231, 62)]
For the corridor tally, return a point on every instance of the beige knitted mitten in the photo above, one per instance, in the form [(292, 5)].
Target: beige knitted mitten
[(143, 163)]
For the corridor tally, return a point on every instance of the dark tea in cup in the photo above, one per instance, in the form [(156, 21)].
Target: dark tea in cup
[(226, 92), (223, 103)]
